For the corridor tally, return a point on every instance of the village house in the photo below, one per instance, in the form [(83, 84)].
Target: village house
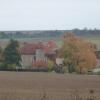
[(97, 52), (98, 59), (37, 54)]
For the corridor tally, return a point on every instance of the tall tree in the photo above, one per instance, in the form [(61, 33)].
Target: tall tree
[(12, 56), (77, 53)]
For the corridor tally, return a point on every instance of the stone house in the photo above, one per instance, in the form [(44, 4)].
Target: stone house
[(36, 53)]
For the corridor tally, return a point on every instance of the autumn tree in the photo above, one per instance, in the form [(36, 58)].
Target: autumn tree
[(12, 56), (78, 54)]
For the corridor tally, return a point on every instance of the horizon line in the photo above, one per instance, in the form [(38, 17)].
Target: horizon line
[(49, 29)]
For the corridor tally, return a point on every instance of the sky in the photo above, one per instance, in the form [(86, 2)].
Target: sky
[(49, 14)]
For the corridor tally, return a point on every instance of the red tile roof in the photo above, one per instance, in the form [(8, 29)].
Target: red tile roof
[(48, 50), (30, 49), (52, 44)]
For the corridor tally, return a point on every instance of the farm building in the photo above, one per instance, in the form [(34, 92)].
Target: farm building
[(37, 55), (97, 52), (98, 58)]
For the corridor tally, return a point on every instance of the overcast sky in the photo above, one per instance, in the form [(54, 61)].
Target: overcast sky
[(49, 14)]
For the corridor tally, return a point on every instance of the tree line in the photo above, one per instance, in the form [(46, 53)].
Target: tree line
[(48, 33)]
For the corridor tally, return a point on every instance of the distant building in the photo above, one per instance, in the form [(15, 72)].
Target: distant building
[(97, 53), (98, 58), (59, 61), (37, 55)]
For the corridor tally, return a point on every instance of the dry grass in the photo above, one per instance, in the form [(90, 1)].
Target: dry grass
[(49, 86)]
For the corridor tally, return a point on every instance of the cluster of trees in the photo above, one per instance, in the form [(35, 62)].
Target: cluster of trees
[(30, 34), (10, 57), (47, 33), (78, 54)]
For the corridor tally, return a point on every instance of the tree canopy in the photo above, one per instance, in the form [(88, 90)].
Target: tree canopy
[(78, 54), (12, 54)]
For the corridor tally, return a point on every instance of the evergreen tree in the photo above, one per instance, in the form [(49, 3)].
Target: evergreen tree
[(12, 56)]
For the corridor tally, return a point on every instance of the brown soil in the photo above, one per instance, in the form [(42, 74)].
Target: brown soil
[(32, 86)]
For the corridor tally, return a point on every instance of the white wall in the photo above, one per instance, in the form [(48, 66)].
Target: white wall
[(27, 61)]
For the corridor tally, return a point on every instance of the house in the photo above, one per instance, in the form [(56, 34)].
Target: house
[(98, 58), (27, 53), (36, 55), (96, 47), (59, 61), (97, 53)]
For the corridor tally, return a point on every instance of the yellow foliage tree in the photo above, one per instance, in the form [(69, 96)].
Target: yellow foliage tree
[(78, 54)]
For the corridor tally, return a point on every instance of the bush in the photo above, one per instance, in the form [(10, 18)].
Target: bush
[(60, 69), (11, 66), (2, 65), (98, 73), (50, 65)]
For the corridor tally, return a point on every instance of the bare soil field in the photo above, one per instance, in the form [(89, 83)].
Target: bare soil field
[(47, 86)]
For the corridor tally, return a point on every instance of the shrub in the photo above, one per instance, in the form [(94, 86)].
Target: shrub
[(11, 66), (50, 65), (60, 69)]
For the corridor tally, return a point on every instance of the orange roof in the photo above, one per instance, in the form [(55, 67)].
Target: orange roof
[(30, 49)]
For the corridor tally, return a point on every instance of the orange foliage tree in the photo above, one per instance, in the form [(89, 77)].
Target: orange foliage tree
[(78, 54)]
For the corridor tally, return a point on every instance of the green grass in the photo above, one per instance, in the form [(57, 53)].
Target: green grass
[(95, 40)]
